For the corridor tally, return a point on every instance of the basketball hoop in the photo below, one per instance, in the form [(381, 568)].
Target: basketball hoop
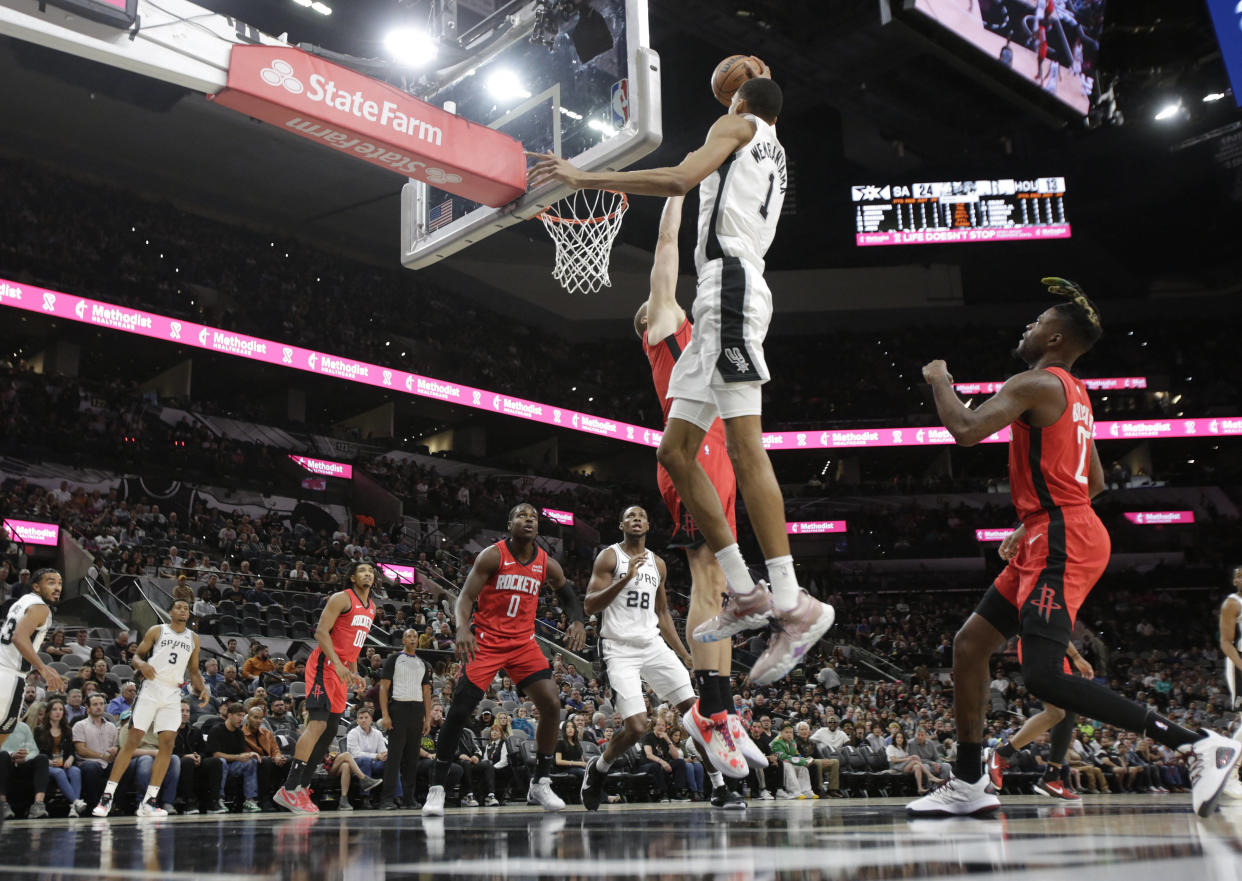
[(583, 227)]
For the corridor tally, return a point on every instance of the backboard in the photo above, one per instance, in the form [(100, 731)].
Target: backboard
[(601, 112)]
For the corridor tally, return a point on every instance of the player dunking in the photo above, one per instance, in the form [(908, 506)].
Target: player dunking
[(1054, 471), (331, 668), (638, 641), (166, 652), (740, 171), (21, 636), (665, 332), (506, 580)]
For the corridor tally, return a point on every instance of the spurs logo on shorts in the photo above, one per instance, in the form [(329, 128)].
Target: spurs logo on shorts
[(738, 359)]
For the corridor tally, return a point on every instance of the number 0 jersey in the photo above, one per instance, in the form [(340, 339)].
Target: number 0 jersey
[(505, 609), (1048, 467), (350, 630), (170, 654), (631, 616), (10, 658)]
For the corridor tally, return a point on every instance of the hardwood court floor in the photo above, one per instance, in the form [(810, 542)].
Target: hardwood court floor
[(1117, 838)]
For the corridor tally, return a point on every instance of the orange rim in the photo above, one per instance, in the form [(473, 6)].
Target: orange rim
[(555, 218)]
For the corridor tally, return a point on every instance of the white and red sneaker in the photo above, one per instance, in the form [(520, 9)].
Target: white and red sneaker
[(304, 801), (713, 736), (749, 749), (287, 799), (1056, 789), (743, 611), (996, 766)]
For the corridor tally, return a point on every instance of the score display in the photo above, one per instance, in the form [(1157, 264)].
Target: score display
[(941, 212)]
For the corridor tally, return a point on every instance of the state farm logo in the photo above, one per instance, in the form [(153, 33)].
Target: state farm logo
[(281, 74)]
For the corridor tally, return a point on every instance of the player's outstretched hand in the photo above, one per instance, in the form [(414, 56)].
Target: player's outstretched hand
[(937, 370), (575, 637), (636, 562), (550, 167), (52, 680), (465, 645), (1010, 545), (764, 70)]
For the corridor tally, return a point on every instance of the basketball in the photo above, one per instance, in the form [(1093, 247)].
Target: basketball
[(732, 72)]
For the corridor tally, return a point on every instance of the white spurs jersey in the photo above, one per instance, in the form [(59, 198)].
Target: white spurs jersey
[(10, 658), (1237, 633), (631, 616), (740, 203), (170, 654)]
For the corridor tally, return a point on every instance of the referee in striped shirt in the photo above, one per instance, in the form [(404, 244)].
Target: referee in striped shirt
[(405, 694)]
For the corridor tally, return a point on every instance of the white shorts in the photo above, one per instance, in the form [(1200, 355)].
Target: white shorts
[(157, 708), (12, 690), (723, 366), (630, 664)]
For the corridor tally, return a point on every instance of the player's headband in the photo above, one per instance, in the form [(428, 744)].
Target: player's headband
[(1063, 287)]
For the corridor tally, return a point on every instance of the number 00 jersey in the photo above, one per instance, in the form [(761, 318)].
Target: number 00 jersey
[(169, 656), (505, 610), (10, 658), (631, 616), (1048, 467), (740, 203), (349, 631)]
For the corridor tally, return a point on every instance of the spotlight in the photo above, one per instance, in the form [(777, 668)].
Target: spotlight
[(1169, 111), (1213, 96), (504, 85), (411, 47), (321, 8)]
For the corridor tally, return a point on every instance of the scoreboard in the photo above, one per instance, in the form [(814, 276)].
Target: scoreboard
[(946, 212)]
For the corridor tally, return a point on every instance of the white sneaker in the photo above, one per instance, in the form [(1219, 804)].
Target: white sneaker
[(782, 794), (149, 808), (743, 611), (764, 795), (492, 801), (957, 797), (714, 736), (748, 748), (799, 629), (79, 809), (469, 802), (104, 807), (540, 793), (1213, 763), (434, 805), (1233, 789)]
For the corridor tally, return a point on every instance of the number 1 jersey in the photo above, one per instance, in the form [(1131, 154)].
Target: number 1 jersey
[(505, 610), (1048, 467)]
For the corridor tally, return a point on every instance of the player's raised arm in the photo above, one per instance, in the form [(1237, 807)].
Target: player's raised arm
[(664, 315), (486, 565), (725, 136), (1018, 395), (601, 589), (575, 637)]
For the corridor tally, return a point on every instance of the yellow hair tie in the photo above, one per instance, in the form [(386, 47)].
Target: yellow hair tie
[(1063, 287)]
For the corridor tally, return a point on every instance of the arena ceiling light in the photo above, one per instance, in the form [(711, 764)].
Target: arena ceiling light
[(1213, 96), (1168, 111), (411, 47), (504, 85), (321, 8)]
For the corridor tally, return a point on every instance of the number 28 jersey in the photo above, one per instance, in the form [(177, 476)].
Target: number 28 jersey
[(505, 610), (1049, 466)]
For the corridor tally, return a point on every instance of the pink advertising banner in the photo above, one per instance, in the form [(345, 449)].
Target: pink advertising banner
[(32, 532), (986, 535), (1160, 518), (1116, 383), (814, 527), (187, 333), (564, 518), (950, 236), (398, 573), (325, 467)]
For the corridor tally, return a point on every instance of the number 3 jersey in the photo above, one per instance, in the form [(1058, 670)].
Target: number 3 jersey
[(506, 606), (169, 656), (1048, 467), (11, 659), (631, 616)]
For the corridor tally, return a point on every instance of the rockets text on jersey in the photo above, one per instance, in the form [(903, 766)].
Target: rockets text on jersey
[(1049, 467), (349, 632), (506, 607), (631, 616)]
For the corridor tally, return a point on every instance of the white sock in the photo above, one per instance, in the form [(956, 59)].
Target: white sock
[(110, 787), (784, 584), (602, 765), (153, 793), (736, 573), (716, 778)]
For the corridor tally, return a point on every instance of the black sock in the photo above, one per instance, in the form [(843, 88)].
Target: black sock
[(294, 779), (725, 693), (1062, 736), (709, 693), (1168, 732), (969, 764), (1052, 772), (543, 766), (1065, 774), (1006, 750)]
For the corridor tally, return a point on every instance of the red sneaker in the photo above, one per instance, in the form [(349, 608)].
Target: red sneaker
[(304, 802), (996, 765), (1056, 789)]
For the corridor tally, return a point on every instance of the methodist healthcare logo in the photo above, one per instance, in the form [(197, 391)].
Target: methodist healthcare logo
[(1046, 604), (324, 467)]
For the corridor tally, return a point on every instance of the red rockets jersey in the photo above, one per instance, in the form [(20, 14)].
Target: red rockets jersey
[(507, 604), (1049, 467), (350, 630), (662, 356)]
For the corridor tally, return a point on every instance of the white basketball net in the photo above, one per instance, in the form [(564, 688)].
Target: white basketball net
[(583, 227)]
